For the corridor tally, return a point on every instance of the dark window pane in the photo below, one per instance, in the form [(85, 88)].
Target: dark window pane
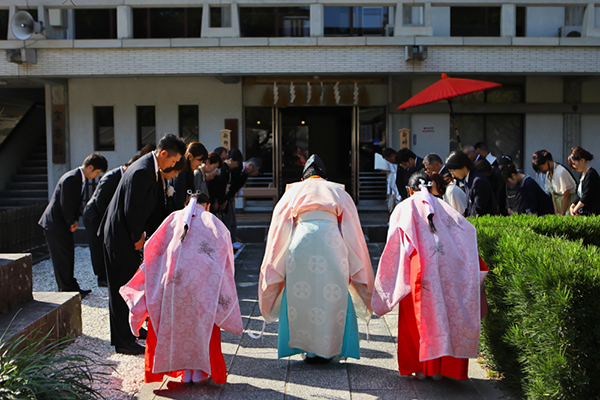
[(521, 21), (3, 24), (220, 17), (104, 128), (32, 11), (188, 123), (166, 22), (146, 126), (356, 21), (259, 138), (474, 21), (505, 94), (274, 21), (95, 23)]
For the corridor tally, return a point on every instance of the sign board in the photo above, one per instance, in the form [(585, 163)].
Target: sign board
[(59, 155), (405, 138), (428, 129), (226, 138)]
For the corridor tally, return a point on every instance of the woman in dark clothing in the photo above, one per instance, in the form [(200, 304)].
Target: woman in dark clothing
[(530, 197), (587, 201), (195, 155), (480, 195)]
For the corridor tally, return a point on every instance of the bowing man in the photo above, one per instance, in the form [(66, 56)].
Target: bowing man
[(60, 220), (124, 225), (316, 276), (92, 215), (430, 265), (186, 287)]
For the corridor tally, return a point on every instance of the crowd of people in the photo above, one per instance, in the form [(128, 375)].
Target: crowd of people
[(176, 202), (129, 205), (475, 182)]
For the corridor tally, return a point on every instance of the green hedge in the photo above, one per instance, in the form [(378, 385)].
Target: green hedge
[(542, 331)]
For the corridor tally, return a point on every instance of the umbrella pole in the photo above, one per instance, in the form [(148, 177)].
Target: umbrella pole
[(455, 126)]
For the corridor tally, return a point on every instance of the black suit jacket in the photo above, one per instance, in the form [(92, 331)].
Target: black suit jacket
[(480, 195), (130, 208), (65, 206), (96, 207), (403, 175), (237, 181), (182, 183), (217, 187)]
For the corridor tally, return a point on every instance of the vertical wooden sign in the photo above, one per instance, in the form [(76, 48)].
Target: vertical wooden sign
[(226, 138), (405, 138), (59, 155)]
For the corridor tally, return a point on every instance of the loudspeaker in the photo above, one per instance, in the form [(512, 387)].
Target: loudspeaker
[(23, 25)]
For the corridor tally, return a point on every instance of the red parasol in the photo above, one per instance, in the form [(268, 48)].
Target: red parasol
[(447, 89)]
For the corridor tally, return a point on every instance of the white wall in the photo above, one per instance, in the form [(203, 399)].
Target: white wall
[(217, 101), (438, 141), (543, 132), (590, 137), (544, 21)]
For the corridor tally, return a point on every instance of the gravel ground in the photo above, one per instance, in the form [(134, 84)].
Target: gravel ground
[(127, 376)]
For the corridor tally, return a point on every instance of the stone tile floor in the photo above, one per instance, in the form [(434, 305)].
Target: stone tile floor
[(256, 373)]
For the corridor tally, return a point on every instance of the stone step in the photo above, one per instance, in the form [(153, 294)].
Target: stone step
[(27, 186), (35, 163), (25, 201), (32, 170), (30, 178), (16, 280), (55, 313), (27, 193), (41, 155)]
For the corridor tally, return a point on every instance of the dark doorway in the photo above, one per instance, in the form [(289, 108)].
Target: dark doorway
[(326, 131)]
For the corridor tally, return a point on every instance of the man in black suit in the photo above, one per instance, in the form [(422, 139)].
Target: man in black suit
[(92, 215), (123, 227), (217, 187), (238, 178), (434, 164), (60, 220), (408, 164), (480, 195)]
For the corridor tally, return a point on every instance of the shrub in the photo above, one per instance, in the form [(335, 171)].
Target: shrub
[(542, 331), (36, 368)]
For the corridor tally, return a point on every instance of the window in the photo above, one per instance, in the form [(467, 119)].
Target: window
[(146, 126), (474, 21), (166, 22), (104, 128), (95, 23), (521, 21), (220, 16), (188, 123), (506, 94), (357, 21), (274, 21), (258, 141), (3, 24)]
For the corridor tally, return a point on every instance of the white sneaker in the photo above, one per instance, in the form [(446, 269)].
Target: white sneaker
[(187, 376), (199, 376)]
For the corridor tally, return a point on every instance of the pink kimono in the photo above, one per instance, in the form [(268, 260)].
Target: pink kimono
[(436, 277), (186, 286), (316, 248)]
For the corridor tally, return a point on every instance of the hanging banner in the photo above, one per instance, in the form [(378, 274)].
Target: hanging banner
[(405, 138), (59, 155)]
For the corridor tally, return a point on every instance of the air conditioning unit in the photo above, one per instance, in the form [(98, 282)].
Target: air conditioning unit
[(569, 31), (418, 53)]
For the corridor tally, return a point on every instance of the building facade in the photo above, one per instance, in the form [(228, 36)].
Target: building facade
[(292, 78)]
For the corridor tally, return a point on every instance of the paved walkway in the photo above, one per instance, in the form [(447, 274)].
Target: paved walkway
[(256, 373)]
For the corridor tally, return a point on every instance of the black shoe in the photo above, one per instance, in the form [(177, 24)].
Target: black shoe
[(132, 349), (143, 334), (315, 360), (84, 293), (102, 283)]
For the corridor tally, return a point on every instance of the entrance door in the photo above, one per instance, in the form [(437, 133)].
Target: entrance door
[(326, 131)]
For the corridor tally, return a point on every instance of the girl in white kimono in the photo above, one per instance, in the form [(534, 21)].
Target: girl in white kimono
[(316, 276)]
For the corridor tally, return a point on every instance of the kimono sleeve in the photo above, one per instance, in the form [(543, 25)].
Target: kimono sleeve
[(272, 270), (392, 282), (134, 295), (228, 315)]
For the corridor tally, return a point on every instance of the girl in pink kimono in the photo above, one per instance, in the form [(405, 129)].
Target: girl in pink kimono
[(316, 276), (186, 287), (431, 266)]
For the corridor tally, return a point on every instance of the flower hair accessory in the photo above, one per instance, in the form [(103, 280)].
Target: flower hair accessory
[(423, 184)]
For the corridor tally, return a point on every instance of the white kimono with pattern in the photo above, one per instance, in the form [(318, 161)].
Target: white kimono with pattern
[(316, 247)]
